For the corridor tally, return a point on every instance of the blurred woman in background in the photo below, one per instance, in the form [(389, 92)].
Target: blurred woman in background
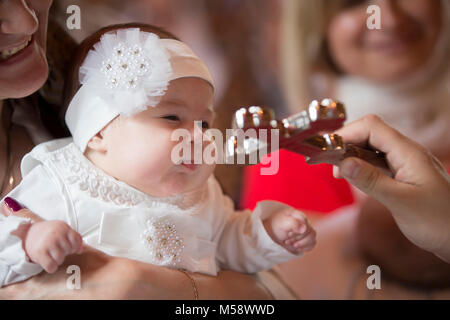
[(399, 72)]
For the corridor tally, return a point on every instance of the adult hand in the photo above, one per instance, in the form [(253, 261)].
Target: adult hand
[(419, 194)]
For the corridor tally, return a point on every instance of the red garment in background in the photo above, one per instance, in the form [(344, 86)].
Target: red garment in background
[(303, 186)]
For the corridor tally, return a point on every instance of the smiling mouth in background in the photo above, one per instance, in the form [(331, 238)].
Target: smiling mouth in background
[(394, 45), (7, 54)]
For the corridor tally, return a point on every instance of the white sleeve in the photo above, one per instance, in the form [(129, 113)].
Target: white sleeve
[(39, 192), (244, 244)]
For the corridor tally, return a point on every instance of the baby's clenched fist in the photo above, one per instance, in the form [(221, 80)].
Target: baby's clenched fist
[(47, 243), (290, 229)]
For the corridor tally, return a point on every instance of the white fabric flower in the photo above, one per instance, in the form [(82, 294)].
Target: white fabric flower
[(127, 71), (129, 68)]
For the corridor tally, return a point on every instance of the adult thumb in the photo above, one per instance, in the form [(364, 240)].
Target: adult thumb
[(367, 178), (12, 207)]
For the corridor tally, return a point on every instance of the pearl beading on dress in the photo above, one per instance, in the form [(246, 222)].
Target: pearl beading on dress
[(92, 180), (163, 242)]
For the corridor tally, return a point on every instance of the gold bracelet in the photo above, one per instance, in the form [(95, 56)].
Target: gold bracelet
[(194, 286)]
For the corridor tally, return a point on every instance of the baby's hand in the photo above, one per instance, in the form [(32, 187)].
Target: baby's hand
[(290, 229), (47, 243)]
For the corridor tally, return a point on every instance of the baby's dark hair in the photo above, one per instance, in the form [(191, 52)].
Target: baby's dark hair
[(72, 84)]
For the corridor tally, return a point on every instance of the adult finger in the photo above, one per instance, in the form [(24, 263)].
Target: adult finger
[(371, 181), (409, 161), (372, 131), (12, 207)]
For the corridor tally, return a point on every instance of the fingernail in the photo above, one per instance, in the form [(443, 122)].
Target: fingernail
[(13, 204), (335, 172), (350, 168)]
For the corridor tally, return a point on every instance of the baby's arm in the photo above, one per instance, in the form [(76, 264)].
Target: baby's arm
[(246, 246), (40, 192), (291, 230), (47, 243)]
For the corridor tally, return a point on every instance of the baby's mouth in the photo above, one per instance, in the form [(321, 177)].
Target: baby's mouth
[(189, 164), (8, 53)]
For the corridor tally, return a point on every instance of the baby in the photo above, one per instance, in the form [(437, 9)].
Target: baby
[(114, 186)]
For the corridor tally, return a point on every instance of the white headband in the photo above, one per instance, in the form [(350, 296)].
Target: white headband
[(126, 72)]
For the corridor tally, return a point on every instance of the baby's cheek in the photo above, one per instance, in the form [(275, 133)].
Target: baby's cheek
[(153, 159), (137, 157)]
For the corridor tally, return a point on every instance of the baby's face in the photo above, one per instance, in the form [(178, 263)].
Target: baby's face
[(139, 148)]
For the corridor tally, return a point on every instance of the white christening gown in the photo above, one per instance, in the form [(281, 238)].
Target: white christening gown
[(199, 231)]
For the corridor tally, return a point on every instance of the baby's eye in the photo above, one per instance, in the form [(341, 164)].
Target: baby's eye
[(172, 117)]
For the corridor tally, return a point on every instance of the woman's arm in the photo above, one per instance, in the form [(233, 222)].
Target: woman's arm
[(106, 277)]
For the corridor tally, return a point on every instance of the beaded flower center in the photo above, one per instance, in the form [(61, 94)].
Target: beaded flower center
[(163, 242), (126, 67)]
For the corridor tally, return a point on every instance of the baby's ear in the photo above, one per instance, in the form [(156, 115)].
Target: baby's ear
[(98, 142)]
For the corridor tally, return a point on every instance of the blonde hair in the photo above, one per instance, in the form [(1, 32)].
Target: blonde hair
[(303, 46)]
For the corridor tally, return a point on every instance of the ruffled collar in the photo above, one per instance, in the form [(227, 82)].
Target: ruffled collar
[(82, 173)]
